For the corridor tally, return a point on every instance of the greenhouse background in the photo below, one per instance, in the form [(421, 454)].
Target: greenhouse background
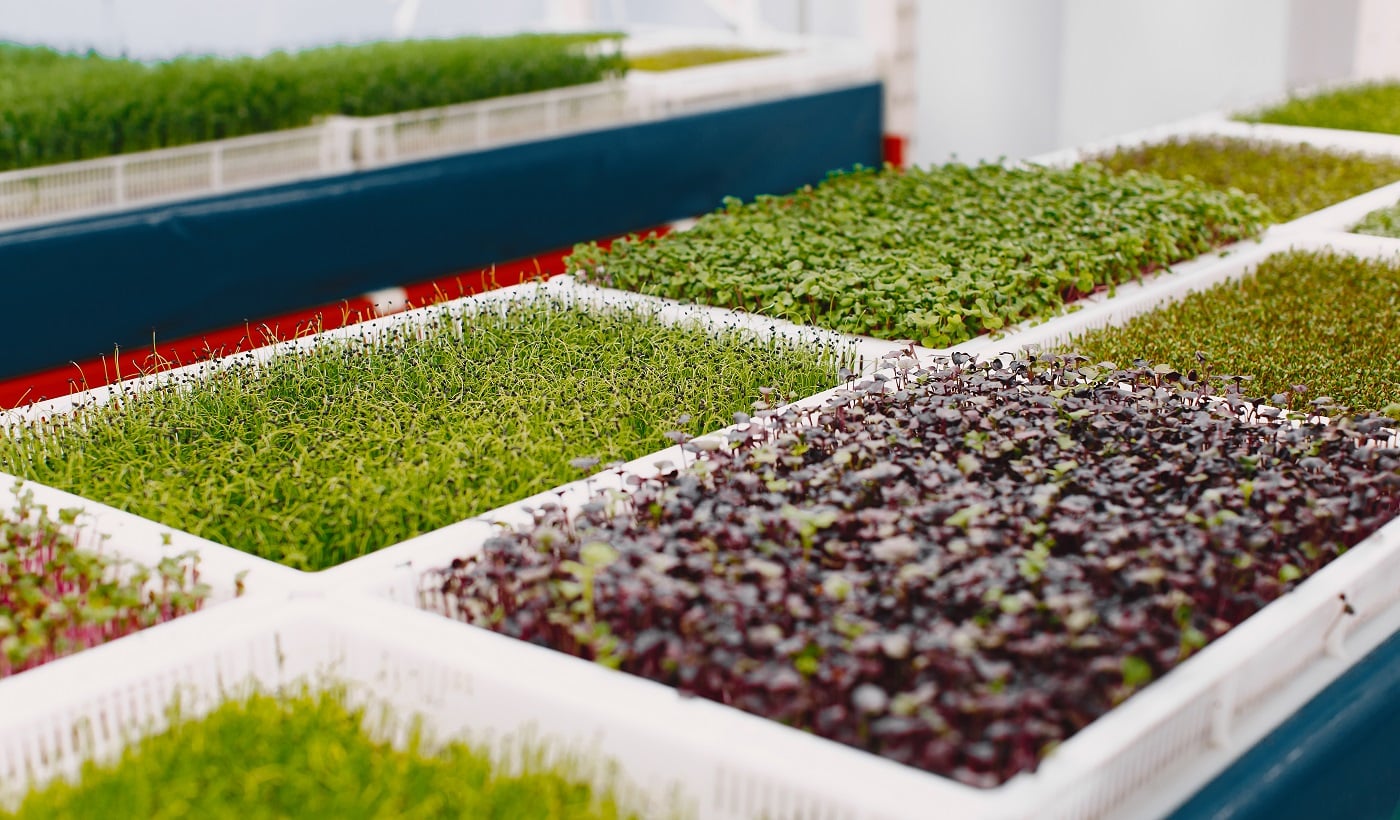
[(1050, 74), (700, 408)]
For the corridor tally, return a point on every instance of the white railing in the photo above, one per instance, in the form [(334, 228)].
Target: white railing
[(343, 144), (337, 145)]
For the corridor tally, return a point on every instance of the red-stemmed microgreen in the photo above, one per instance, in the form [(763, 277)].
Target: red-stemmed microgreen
[(957, 567), (57, 599)]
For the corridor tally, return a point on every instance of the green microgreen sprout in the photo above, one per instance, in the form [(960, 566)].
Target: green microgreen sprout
[(316, 754), (1382, 222), (1364, 107), (1317, 322), (325, 455), (1292, 180), (690, 57), (937, 256)]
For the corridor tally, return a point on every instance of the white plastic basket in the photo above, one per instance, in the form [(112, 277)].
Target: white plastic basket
[(674, 753), (1140, 760)]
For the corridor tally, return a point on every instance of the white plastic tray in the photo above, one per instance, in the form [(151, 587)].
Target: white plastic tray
[(691, 754), (1219, 124), (1138, 761), (1155, 750), (221, 564)]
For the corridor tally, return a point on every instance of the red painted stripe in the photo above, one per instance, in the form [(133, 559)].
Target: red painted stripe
[(894, 147), (79, 376)]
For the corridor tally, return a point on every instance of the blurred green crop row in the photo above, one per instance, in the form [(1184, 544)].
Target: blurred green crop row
[(58, 107), (1364, 107)]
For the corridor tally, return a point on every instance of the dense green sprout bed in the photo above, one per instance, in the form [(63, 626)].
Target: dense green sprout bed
[(308, 756), (1325, 321), (58, 108), (937, 255), (315, 459), (1292, 180), (1384, 222), (1365, 107)]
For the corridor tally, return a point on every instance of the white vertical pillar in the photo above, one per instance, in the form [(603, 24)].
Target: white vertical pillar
[(405, 17), (740, 15), (119, 182), (989, 78), (1322, 38), (1377, 40), (890, 27), (216, 167), (571, 14)]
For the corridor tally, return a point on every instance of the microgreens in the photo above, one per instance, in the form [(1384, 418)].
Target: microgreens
[(319, 457), (690, 57), (1292, 180), (1364, 107), (1382, 222), (1324, 322), (57, 599), (310, 755), (59, 107), (956, 568), (938, 255)]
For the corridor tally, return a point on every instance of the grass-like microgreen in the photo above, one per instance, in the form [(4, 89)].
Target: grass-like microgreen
[(313, 755), (691, 57), (317, 458), (1324, 322), (1364, 107), (1381, 222), (1292, 180)]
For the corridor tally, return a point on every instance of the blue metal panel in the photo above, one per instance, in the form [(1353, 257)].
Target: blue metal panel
[(1337, 757), (78, 288)]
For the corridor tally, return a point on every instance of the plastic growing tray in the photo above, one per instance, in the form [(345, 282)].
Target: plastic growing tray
[(144, 540), (1156, 749), (679, 752)]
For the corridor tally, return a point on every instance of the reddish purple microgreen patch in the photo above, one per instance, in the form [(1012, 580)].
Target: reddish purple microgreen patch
[(56, 599), (956, 568)]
